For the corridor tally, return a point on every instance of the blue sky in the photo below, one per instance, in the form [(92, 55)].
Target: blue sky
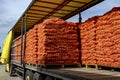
[(11, 10)]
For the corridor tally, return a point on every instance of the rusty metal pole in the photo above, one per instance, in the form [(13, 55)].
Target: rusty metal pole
[(80, 18)]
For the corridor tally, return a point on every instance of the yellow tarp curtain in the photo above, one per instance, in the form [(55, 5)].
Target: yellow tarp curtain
[(5, 56)]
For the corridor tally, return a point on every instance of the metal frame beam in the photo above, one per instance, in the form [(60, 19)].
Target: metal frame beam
[(51, 8), (79, 2), (38, 14), (45, 11), (35, 13), (22, 32), (80, 9), (31, 18), (55, 10), (57, 3), (35, 17), (80, 18), (25, 28)]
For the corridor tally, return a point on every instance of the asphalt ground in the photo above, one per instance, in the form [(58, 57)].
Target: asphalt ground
[(5, 75)]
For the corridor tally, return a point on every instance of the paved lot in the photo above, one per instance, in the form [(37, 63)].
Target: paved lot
[(5, 75)]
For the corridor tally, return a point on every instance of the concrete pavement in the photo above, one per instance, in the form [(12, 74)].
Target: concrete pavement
[(5, 75)]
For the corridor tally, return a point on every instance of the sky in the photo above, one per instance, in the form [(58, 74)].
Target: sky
[(11, 10)]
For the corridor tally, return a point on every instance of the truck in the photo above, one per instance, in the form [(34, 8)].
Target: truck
[(37, 12)]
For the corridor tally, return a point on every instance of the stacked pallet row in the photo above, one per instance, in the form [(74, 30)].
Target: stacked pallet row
[(31, 46), (108, 39), (17, 50), (72, 44), (55, 43), (87, 40)]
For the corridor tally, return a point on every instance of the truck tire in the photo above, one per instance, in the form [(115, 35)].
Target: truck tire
[(12, 70), (49, 78), (38, 76), (29, 75)]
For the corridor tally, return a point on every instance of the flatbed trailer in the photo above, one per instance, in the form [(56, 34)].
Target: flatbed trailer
[(70, 73), (37, 11)]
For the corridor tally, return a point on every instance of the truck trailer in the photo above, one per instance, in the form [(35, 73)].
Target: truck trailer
[(36, 13)]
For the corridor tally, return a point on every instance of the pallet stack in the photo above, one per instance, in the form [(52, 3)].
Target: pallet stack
[(88, 41), (55, 43), (31, 46), (100, 39), (108, 39), (71, 44), (17, 50)]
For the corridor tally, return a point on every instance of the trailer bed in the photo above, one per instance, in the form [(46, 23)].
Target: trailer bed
[(78, 73), (94, 74)]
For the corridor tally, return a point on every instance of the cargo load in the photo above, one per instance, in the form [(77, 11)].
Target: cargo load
[(53, 42), (100, 39), (108, 39)]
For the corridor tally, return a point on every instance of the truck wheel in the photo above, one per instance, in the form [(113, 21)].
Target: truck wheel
[(49, 78), (29, 75), (38, 76), (12, 70)]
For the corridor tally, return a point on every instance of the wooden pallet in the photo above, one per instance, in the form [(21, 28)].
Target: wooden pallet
[(100, 67), (109, 68), (59, 65), (71, 65), (31, 64), (91, 66), (55, 65)]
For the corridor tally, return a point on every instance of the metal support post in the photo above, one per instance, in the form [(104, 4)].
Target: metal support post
[(79, 39), (25, 25), (80, 18), (22, 28)]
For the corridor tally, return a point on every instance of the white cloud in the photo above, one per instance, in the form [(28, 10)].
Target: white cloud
[(10, 11), (100, 9)]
